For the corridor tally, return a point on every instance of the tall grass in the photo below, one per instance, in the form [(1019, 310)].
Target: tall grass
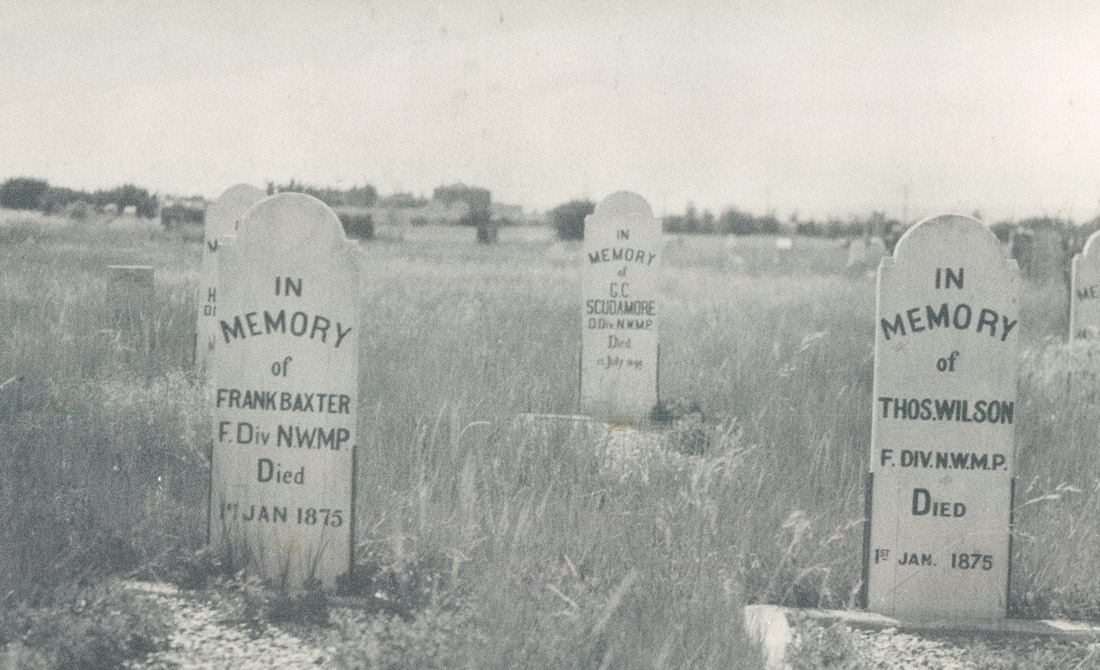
[(519, 541), (102, 456)]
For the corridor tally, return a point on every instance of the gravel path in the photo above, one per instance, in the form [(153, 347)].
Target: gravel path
[(212, 631), (205, 637)]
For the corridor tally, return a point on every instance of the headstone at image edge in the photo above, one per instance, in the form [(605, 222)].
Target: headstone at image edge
[(1084, 313), (621, 309), (222, 218), (131, 293), (285, 391), (942, 461)]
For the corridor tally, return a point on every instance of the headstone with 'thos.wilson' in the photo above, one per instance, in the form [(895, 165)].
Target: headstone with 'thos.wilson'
[(944, 406), (1084, 313)]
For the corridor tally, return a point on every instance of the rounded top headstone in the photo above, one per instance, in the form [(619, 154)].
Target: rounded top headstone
[(292, 222), (626, 205), (1091, 244), (951, 235), (223, 214)]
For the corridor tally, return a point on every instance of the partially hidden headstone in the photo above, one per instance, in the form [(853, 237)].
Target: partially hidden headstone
[(131, 293), (285, 392), (621, 310), (1084, 313), (222, 218), (942, 461), (865, 253)]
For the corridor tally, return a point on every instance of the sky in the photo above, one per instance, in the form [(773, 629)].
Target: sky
[(813, 108)]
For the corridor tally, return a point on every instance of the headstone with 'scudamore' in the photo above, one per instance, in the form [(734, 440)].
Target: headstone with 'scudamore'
[(1084, 313), (222, 218), (285, 391), (942, 460), (620, 315)]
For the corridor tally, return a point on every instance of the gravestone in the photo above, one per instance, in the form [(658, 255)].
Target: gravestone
[(222, 218), (285, 391), (620, 311), (865, 253), (942, 462), (131, 295), (1084, 313)]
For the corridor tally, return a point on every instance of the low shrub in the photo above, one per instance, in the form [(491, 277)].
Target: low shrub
[(78, 211), (88, 628)]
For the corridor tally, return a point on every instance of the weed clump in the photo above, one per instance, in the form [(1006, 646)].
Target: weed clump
[(687, 423)]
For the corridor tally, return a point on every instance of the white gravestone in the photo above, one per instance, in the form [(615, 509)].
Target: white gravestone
[(621, 309), (222, 218), (946, 337), (285, 391), (1084, 313)]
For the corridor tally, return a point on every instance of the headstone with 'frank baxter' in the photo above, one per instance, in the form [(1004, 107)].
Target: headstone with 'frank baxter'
[(285, 373), (1084, 313), (944, 401), (222, 218), (621, 308)]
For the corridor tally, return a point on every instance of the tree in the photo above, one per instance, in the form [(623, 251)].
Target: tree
[(56, 199), (568, 219), (128, 195), (707, 223), (22, 192), (356, 196), (735, 222), (691, 219)]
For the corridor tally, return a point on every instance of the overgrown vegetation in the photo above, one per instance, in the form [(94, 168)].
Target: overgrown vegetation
[(80, 628), (494, 540)]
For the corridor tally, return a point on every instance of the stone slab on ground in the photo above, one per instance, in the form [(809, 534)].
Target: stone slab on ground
[(770, 625)]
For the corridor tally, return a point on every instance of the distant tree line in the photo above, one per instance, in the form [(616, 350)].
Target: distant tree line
[(568, 221), (356, 196), (733, 221), (26, 193)]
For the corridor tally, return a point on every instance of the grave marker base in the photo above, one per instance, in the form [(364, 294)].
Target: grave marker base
[(770, 626)]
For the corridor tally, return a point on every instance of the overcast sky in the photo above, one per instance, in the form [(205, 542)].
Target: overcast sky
[(820, 108)]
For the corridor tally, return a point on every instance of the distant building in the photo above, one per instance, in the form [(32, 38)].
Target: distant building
[(479, 200), (175, 211), (509, 215), (430, 213), (400, 200)]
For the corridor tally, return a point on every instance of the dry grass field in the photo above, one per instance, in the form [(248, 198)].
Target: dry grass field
[(504, 542)]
